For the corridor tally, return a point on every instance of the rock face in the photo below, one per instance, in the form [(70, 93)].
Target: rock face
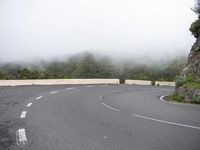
[(188, 83), (193, 64), (190, 94)]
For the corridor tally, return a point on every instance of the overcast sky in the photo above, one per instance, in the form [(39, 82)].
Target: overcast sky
[(32, 29)]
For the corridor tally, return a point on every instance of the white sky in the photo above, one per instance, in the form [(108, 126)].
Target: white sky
[(119, 28)]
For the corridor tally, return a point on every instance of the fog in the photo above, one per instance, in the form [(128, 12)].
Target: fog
[(120, 29)]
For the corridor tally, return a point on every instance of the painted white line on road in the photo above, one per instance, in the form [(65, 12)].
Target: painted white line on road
[(21, 137), (23, 114), (109, 107), (166, 122), (29, 104), (53, 92), (38, 98), (89, 86), (162, 98), (71, 88)]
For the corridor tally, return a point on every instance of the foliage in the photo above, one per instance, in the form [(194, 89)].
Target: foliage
[(180, 81), (176, 97), (196, 100), (89, 66), (195, 28), (196, 8), (27, 74), (188, 81), (194, 85)]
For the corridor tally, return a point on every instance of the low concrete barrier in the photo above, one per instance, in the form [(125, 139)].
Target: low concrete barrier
[(138, 82), (57, 82), (164, 83)]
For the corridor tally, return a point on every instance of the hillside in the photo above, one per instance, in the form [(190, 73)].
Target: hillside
[(188, 83)]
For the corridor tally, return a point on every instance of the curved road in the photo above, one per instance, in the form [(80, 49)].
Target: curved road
[(104, 117)]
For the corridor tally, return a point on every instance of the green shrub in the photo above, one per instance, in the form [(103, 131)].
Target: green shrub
[(196, 100), (195, 28), (196, 49), (180, 81), (190, 79), (176, 97), (194, 85)]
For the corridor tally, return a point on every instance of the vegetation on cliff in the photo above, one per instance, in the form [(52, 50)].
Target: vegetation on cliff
[(188, 83)]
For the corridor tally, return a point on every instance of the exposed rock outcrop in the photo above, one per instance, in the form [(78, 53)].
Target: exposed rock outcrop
[(188, 83)]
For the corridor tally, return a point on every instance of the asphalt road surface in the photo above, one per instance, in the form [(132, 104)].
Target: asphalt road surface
[(105, 117)]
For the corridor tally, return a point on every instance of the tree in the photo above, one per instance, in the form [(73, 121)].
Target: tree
[(24, 74), (196, 8), (195, 26), (87, 68)]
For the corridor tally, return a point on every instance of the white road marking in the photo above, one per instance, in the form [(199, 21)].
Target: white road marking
[(89, 86), (166, 122), (21, 137), (162, 98), (29, 104), (109, 107), (39, 97), (23, 114), (53, 92), (70, 88), (175, 103)]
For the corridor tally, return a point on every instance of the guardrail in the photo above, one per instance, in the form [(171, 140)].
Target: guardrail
[(147, 82), (58, 82), (165, 83), (138, 82), (81, 81)]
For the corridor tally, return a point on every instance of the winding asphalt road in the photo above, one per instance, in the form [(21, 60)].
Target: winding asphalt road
[(106, 117)]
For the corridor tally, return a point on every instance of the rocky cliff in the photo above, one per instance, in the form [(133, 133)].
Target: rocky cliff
[(188, 83)]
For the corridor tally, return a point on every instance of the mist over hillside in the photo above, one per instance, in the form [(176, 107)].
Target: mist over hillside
[(89, 65)]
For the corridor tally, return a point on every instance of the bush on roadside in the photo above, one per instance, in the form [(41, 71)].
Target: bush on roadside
[(195, 28), (196, 100), (176, 97)]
